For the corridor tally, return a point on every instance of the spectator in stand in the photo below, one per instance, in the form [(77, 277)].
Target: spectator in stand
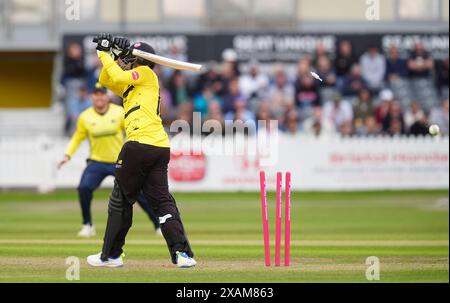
[(373, 68), (240, 116), (304, 66), (240, 111), (393, 123), (353, 82), (386, 98), (395, 127), (420, 63), (420, 127), (413, 114), (215, 114), (228, 72), (233, 93), (395, 66), (339, 111), (201, 101), (253, 84), (320, 51), (281, 93), (307, 95), (230, 64), (214, 111), (185, 113), (346, 129), (219, 86), (264, 114), (325, 71), (317, 125), (442, 76), (75, 106), (178, 88), (440, 116), (291, 124), (362, 110), (370, 127), (344, 61), (73, 70), (213, 79)]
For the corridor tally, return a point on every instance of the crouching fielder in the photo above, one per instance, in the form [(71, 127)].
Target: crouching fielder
[(143, 161)]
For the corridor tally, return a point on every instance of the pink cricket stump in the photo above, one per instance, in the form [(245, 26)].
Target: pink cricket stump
[(262, 184), (287, 220), (278, 221)]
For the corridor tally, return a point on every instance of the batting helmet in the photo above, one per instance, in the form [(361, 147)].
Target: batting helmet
[(142, 46)]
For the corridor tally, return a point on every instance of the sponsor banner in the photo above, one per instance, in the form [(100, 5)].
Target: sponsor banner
[(270, 47), (336, 164), (340, 164)]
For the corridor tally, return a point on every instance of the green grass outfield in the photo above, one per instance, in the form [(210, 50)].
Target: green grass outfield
[(332, 235)]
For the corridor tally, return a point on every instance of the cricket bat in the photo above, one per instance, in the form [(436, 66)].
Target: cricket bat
[(176, 64)]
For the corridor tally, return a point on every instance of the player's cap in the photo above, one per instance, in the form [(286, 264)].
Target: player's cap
[(98, 88)]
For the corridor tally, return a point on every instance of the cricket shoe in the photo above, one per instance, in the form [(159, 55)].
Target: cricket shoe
[(184, 261), (94, 260), (87, 231)]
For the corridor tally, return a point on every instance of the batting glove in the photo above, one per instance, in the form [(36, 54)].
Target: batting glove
[(121, 47), (104, 42)]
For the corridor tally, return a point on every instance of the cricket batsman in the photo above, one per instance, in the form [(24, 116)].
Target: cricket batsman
[(143, 161), (103, 124)]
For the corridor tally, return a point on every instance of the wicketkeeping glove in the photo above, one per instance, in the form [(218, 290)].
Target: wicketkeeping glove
[(121, 47), (104, 42)]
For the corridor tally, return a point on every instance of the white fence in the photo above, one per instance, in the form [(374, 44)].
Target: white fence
[(336, 164)]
